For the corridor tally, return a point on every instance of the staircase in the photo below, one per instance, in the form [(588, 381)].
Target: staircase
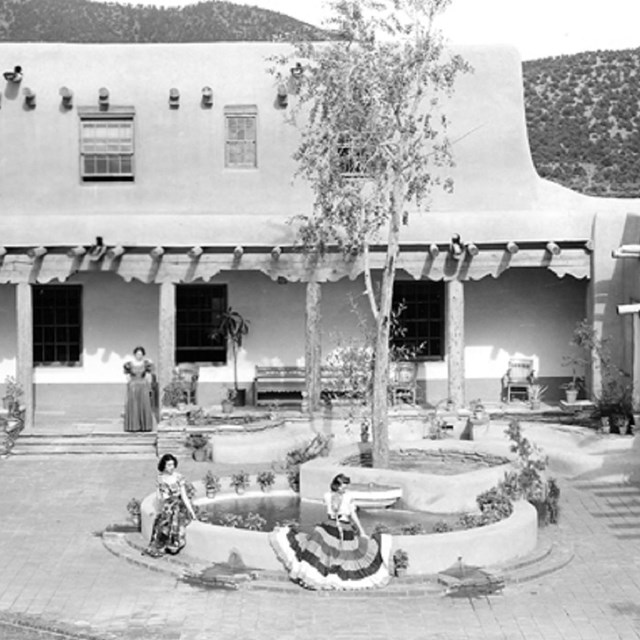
[(128, 444)]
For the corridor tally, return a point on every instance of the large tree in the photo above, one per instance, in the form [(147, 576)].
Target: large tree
[(373, 144)]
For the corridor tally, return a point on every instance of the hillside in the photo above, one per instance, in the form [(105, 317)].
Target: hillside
[(583, 120), (85, 21)]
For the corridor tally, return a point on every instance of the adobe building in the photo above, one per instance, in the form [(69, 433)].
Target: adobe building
[(145, 187)]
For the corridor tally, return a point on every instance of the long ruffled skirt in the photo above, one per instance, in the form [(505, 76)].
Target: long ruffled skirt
[(169, 528), (138, 414), (332, 557)]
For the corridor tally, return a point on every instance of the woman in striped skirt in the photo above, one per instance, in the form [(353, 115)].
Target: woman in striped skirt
[(337, 554)]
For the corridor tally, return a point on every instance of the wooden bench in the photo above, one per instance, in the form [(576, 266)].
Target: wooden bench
[(284, 385)]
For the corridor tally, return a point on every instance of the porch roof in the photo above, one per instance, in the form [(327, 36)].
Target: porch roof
[(267, 244)]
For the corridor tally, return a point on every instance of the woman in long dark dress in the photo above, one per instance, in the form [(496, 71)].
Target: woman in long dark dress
[(138, 414), (337, 554), (175, 511)]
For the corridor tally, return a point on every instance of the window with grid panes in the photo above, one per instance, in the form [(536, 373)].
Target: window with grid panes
[(241, 137), (353, 156), (57, 324), (423, 316), (198, 313), (106, 149)]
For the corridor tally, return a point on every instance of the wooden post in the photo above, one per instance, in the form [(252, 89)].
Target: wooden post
[(455, 342), (636, 361), (24, 365), (633, 309), (312, 345), (167, 335)]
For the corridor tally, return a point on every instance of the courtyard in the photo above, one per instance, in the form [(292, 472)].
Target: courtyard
[(60, 581)]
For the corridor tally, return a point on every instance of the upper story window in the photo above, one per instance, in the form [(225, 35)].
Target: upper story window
[(353, 155), (106, 145), (240, 147)]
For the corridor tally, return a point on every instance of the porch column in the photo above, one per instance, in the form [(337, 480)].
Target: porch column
[(455, 342), (312, 345), (24, 365), (167, 334), (636, 361)]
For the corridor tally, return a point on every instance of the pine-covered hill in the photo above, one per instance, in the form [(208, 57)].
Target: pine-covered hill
[(85, 21), (583, 119)]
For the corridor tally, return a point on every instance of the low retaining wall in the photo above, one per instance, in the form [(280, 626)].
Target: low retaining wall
[(428, 554), (420, 491)]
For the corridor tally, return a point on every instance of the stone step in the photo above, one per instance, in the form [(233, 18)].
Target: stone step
[(125, 443), (545, 559)]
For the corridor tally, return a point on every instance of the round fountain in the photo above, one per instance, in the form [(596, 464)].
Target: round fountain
[(415, 489)]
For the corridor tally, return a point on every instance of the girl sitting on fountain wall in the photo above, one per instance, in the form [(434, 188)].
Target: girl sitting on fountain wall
[(174, 510), (337, 554)]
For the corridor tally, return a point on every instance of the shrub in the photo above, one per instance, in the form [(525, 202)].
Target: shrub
[(381, 527), (317, 446), (495, 505), (413, 529), (442, 526), (470, 521)]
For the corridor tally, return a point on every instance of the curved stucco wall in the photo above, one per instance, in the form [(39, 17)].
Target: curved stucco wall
[(420, 491), (483, 546)]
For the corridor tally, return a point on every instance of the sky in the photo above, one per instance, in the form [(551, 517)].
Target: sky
[(537, 28)]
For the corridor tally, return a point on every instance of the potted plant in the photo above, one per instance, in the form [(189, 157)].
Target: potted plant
[(174, 393), (232, 329), (572, 388), (535, 391), (133, 507), (228, 401), (400, 562), (199, 445), (266, 479), (239, 481), (211, 484), (13, 392)]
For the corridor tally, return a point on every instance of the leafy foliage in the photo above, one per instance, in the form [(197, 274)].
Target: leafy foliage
[(265, 479), (85, 21), (212, 482), (295, 457), (582, 120), (373, 143), (616, 393)]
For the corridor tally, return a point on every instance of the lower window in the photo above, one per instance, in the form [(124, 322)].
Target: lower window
[(198, 313), (421, 317), (57, 324)]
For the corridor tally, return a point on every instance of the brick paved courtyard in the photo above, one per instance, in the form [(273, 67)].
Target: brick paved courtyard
[(56, 574)]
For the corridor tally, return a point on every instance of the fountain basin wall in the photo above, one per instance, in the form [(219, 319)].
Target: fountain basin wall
[(483, 546), (420, 491), (494, 544)]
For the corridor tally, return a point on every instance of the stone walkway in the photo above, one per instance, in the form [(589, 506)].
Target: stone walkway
[(57, 576)]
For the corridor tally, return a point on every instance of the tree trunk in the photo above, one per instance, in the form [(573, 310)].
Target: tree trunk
[(380, 410), (312, 345)]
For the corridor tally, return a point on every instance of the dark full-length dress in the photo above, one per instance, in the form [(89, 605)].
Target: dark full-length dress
[(334, 555), (169, 527), (138, 414)]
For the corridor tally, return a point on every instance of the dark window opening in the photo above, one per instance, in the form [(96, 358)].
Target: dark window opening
[(421, 318), (199, 310), (57, 324)]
